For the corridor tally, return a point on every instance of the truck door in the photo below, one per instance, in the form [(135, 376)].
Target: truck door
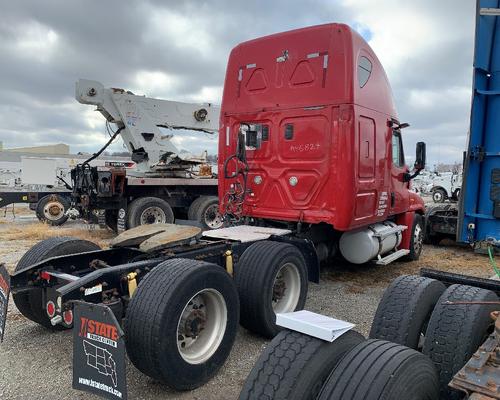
[(398, 196)]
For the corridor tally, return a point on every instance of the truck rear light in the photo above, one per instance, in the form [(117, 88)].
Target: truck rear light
[(68, 317), (51, 309)]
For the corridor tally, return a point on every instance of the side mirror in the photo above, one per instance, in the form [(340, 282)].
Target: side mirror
[(420, 156)]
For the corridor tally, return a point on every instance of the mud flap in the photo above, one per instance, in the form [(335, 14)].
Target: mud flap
[(121, 224), (4, 298), (98, 352)]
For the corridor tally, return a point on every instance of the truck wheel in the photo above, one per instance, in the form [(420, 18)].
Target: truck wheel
[(416, 239), (271, 278), (181, 322), (30, 303), (377, 369), (52, 209), (456, 331), (404, 311), (205, 209), (295, 366), (438, 196), (149, 210)]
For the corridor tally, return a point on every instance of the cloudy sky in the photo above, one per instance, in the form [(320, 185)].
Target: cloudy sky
[(178, 50)]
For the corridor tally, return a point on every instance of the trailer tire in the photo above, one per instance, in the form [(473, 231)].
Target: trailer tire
[(405, 309), (256, 276), (205, 209), (295, 366), (456, 331), (416, 239), (439, 195), (30, 303), (52, 209), (165, 300), (149, 210), (377, 369)]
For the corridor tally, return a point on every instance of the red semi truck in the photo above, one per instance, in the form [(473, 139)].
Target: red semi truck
[(321, 143), (311, 167)]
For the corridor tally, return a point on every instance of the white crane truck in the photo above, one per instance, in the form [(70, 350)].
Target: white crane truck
[(166, 184)]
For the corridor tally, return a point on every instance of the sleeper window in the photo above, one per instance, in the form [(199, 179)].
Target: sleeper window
[(364, 70)]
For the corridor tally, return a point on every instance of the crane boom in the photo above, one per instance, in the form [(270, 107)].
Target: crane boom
[(141, 117)]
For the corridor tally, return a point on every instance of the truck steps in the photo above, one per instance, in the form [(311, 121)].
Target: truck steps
[(392, 257)]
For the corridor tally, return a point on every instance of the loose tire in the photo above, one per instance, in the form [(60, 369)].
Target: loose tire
[(52, 209), (271, 278), (295, 366), (377, 369), (182, 301), (205, 209), (416, 239), (30, 303), (439, 196), (456, 331), (149, 210), (405, 309)]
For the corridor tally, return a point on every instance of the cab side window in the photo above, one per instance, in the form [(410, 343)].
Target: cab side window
[(398, 158)]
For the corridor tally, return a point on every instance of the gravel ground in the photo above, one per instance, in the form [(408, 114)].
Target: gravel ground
[(36, 363)]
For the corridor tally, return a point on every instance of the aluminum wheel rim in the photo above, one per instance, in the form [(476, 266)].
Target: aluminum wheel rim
[(286, 288), (153, 215), (53, 210), (418, 239), (437, 196), (201, 327), (212, 217)]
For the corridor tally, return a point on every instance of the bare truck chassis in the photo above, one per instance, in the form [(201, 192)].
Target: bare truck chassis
[(186, 287)]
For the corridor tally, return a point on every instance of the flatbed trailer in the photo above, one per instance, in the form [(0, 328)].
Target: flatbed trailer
[(49, 206)]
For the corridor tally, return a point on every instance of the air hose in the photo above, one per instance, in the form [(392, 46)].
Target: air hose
[(492, 261)]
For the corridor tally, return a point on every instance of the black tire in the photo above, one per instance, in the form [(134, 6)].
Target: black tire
[(416, 239), (456, 331), (405, 309), (295, 366), (435, 239), (153, 315), (30, 303), (52, 209), (377, 369), (255, 276), (439, 195), (193, 207), (205, 209), (152, 209), (111, 218)]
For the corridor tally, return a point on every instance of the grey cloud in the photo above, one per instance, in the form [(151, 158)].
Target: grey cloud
[(111, 41)]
